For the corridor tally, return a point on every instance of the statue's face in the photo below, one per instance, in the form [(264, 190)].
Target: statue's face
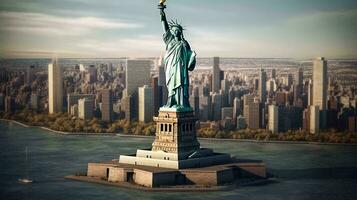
[(176, 31)]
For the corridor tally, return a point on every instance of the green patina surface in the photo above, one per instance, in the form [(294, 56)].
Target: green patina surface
[(179, 59)]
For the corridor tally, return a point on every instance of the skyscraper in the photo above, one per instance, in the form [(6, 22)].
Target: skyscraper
[(314, 119), (298, 85), (281, 98), (137, 75), (310, 94), (91, 74), (254, 115), (306, 119), (273, 118), (162, 89), (74, 110), (271, 85), (225, 85), (216, 106), (195, 101), (320, 89), (241, 123), (126, 104), (320, 83), (247, 100), (237, 109), (299, 77), (30, 74), (289, 80), (161, 70), (205, 108), (55, 87), (73, 98), (146, 103), (273, 73), (157, 99), (107, 105), (262, 86), (85, 108), (227, 112), (216, 75)]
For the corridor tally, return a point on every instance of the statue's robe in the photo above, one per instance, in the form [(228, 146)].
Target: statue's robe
[(179, 58)]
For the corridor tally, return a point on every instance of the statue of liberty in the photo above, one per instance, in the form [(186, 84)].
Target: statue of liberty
[(179, 59)]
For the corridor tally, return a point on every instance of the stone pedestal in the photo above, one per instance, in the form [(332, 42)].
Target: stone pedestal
[(175, 159), (175, 132), (175, 145)]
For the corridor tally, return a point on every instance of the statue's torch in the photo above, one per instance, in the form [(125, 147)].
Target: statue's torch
[(162, 5)]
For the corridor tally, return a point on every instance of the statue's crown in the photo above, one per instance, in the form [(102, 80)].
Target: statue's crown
[(174, 23)]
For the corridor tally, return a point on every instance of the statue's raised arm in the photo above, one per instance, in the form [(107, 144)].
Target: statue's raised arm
[(165, 25)]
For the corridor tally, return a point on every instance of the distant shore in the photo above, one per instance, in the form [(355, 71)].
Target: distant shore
[(250, 140), (201, 138), (54, 131)]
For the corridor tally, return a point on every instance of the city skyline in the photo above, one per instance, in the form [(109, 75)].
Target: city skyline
[(232, 98), (76, 28)]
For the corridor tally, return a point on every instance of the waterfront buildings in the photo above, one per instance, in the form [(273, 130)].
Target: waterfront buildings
[(72, 99), (238, 90), (85, 108)]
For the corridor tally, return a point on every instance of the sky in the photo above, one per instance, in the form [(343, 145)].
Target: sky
[(132, 28)]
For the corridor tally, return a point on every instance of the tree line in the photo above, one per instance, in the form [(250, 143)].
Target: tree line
[(64, 122)]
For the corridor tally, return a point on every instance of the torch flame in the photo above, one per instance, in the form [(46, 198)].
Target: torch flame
[(162, 2)]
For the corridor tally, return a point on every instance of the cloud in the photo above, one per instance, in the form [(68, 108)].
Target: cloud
[(142, 45), (90, 28), (325, 16), (38, 23), (209, 42), (36, 54)]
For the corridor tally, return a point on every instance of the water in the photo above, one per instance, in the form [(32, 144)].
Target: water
[(301, 171)]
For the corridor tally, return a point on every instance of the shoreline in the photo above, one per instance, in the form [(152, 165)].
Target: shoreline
[(200, 138), (177, 188), (126, 185), (54, 131), (250, 140)]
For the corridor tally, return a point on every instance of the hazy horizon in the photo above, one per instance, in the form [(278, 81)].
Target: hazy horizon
[(291, 29)]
